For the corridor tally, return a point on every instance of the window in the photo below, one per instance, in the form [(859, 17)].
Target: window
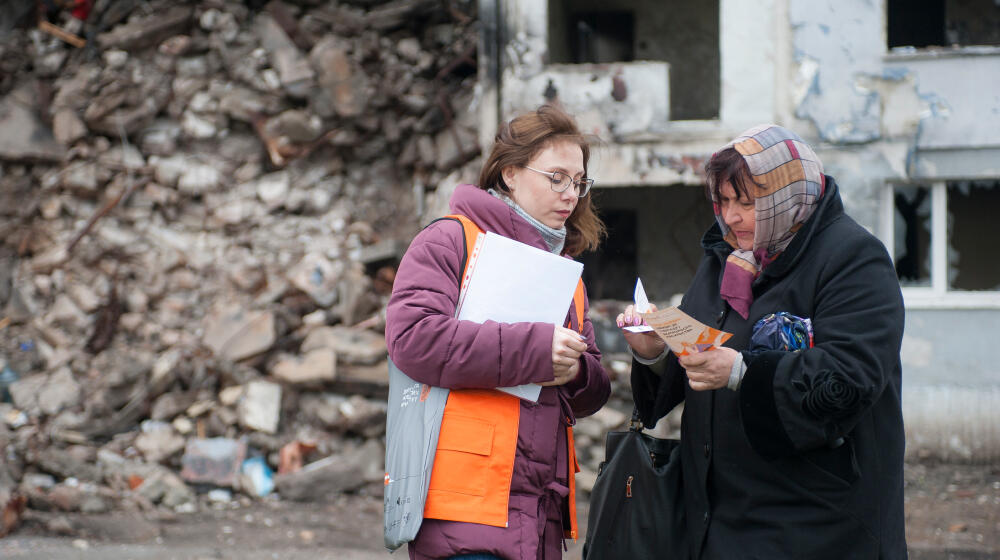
[(940, 235), (598, 37), (943, 23), (684, 34), (653, 233), (610, 272)]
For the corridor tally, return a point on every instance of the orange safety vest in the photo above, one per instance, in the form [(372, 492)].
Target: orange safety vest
[(474, 462)]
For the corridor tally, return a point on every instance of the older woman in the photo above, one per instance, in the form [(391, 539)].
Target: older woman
[(792, 434), (534, 189)]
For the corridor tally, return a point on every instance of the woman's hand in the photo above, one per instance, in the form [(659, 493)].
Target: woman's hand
[(709, 369), (647, 345), (567, 347)]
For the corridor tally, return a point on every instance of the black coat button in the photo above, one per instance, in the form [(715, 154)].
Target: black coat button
[(707, 450), (720, 317), (706, 518)]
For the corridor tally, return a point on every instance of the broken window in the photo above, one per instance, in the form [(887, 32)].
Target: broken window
[(602, 37), (610, 271), (653, 233), (684, 34), (941, 235), (939, 23), (912, 239), (972, 214)]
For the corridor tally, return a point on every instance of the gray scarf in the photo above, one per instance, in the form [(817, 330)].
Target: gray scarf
[(554, 239)]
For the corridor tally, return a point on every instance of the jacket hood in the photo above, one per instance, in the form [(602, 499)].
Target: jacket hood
[(492, 214)]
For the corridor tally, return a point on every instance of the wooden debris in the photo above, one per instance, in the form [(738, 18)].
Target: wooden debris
[(62, 34)]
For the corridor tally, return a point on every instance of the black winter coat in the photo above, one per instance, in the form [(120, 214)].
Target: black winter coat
[(805, 460)]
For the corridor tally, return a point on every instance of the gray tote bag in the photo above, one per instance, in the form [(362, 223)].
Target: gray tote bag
[(413, 424)]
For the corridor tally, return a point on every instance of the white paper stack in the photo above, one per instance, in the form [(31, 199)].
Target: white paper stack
[(510, 282)]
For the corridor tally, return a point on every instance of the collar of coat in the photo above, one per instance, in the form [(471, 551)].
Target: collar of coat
[(829, 209)]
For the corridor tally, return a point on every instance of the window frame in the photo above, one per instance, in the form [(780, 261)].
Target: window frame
[(937, 295), (903, 52)]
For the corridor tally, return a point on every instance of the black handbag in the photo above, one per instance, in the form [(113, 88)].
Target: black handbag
[(637, 504)]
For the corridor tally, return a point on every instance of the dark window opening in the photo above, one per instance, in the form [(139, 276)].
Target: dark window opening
[(912, 235), (610, 272), (972, 260), (684, 34), (598, 37), (970, 208), (940, 23), (654, 233)]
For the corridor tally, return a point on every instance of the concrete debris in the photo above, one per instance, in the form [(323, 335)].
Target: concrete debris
[(294, 71), (315, 366), (318, 277), (344, 84), (234, 333), (147, 31), (260, 408), (352, 346), (330, 476), (158, 441), (201, 215), (26, 137), (216, 460)]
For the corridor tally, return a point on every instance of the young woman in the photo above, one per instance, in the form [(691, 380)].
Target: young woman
[(792, 434), (534, 189)]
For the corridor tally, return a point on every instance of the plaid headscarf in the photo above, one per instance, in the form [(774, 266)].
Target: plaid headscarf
[(790, 182)]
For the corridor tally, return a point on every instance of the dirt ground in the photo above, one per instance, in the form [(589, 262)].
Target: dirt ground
[(952, 512)]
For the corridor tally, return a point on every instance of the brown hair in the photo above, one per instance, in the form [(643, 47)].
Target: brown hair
[(728, 165), (518, 141)]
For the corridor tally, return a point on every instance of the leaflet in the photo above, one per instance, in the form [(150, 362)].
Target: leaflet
[(683, 333), (641, 306)]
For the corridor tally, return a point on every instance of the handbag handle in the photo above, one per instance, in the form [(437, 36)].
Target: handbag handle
[(635, 424)]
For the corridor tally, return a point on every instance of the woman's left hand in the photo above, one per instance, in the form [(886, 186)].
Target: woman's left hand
[(710, 369)]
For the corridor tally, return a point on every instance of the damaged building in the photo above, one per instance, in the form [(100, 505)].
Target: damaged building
[(202, 202), (901, 101)]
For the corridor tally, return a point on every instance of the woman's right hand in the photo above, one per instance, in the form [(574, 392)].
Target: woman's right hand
[(567, 347), (647, 345)]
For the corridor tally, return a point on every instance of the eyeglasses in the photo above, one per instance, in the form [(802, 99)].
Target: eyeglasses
[(560, 181)]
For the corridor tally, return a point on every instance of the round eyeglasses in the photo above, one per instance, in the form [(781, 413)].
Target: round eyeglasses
[(560, 181)]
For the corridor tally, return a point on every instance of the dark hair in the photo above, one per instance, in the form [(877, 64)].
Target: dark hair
[(728, 165), (518, 141)]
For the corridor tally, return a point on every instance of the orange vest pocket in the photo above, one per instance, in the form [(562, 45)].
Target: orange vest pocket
[(474, 461), (464, 446)]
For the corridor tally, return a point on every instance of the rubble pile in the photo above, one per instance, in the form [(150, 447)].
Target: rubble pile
[(201, 207)]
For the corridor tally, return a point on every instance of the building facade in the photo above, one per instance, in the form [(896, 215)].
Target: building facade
[(900, 99)]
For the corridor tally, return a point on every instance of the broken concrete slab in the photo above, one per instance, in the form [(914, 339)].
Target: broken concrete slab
[(163, 486), (234, 333), (61, 390), (332, 475), (260, 407), (313, 367), (293, 68), (65, 464), (149, 30), (67, 126), (344, 85), (317, 276), (25, 136), (352, 346), (158, 441)]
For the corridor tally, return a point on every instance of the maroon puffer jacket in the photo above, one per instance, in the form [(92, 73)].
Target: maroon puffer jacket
[(431, 346)]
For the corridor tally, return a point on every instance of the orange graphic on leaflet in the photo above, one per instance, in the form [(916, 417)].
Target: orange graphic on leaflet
[(707, 339)]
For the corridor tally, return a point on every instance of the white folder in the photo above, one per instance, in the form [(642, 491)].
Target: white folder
[(511, 282)]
